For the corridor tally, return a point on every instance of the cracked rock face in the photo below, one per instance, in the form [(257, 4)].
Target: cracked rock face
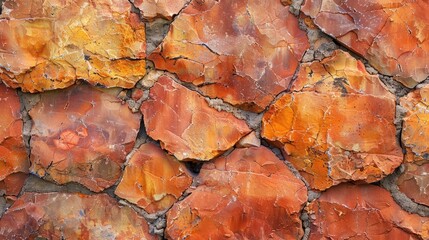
[(186, 125), (49, 44), (153, 180), (12, 184), (337, 124), (13, 155), (362, 212), (391, 35), (250, 194), (233, 50), (415, 134), (71, 216), (82, 134), (151, 9)]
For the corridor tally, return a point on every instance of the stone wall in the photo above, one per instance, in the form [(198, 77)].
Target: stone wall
[(214, 119)]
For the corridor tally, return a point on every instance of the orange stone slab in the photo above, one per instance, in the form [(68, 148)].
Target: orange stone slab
[(13, 183), (234, 50), (337, 124), (49, 44), (13, 155), (159, 8), (153, 180), (415, 138), (362, 212), (71, 216), (250, 194), (82, 134), (415, 130), (391, 34), (186, 125)]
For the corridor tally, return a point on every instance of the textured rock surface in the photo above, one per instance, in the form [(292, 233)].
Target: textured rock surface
[(71, 216), (250, 194), (234, 51), (159, 8), (12, 184), (13, 155), (415, 131), (82, 134), (185, 124), (49, 44), (153, 180), (363, 212), (337, 124), (415, 135), (392, 35)]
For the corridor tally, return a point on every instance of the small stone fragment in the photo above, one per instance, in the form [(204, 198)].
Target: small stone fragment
[(153, 180), (186, 125), (49, 44), (12, 184), (71, 216), (249, 194), (82, 134), (233, 50), (159, 8), (250, 140), (13, 155), (337, 124), (391, 34), (362, 212), (414, 181)]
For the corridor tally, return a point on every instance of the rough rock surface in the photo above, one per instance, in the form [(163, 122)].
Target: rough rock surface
[(12, 184), (362, 212), (82, 134), (391, 35), (159, 8), (153, 180), (49, 44), (250, 194), (337, 124), (233, 50), (415, 134), (71, 216), (186, 125), (13, 155)]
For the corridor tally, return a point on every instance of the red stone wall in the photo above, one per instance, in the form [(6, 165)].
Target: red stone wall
[(214, 119)]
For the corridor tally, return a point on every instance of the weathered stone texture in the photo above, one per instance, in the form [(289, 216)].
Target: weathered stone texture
[(391, 35), (186, 125), (362, 212), (49, 44), (250, 194), (153, 180), (82, 134), (337, 124), (159, 8), (233, 50), (71, 216), (13, 155)]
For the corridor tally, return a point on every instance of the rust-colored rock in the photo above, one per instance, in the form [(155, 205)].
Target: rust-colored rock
[(415, 134), (186, 125), (13, 156), (414, 181), (153, 180), (49, 44), (12, 184), (71, 216), (234, 50), (82, 134), (337, 123), (159, 8), (391, 35), (250, 194), (415, 128), (362, 212)]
